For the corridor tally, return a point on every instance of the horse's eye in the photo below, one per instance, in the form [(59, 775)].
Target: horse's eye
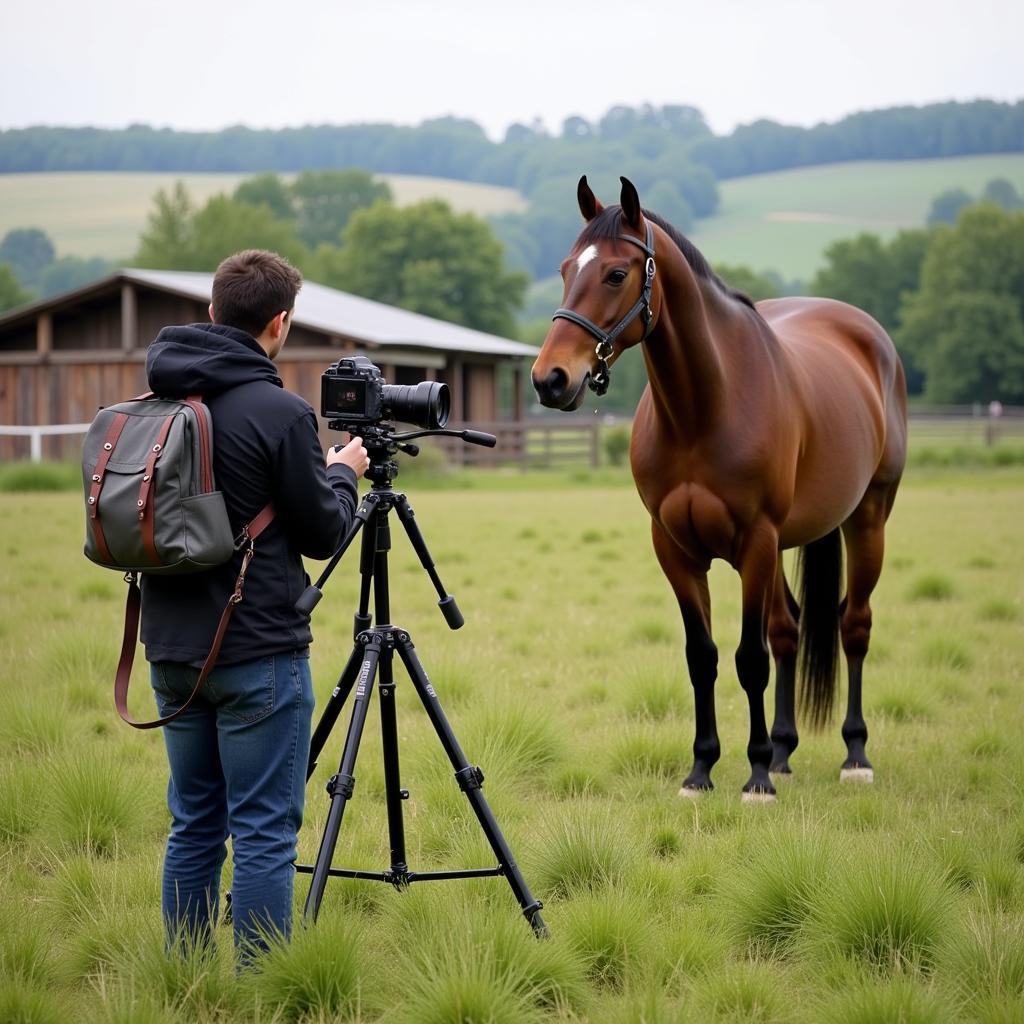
[(616, 277)]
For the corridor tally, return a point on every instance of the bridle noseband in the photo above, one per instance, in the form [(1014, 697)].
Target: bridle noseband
[(600, 379)]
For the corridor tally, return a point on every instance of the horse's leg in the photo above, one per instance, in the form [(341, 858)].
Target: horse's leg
[(689, 581), (783, 639), (864, 533), (757, 567)]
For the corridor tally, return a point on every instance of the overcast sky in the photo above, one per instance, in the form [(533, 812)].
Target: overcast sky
[(205, 64)]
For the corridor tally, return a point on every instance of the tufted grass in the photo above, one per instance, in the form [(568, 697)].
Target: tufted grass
[(900, 901)]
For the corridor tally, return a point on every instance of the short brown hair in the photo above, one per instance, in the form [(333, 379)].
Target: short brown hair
[(251, 288)]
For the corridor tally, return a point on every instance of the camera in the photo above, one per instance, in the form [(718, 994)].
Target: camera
[(353, 392)]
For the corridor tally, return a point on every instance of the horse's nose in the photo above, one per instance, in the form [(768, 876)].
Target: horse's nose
[(552, 387)]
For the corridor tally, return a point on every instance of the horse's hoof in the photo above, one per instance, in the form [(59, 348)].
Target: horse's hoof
[(863, 776), (692, 792), (781, 774), (757, 796)]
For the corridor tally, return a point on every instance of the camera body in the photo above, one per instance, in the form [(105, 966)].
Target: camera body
[(353, 392)]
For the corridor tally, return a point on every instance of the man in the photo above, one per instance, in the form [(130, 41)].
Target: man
[(238, 755)]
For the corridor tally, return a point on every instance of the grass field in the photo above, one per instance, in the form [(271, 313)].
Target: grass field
[(781, 221), (898, 902), (785, 221), (102, 214)]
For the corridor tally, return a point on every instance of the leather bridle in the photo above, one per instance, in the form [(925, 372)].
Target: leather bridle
[(600, 379)]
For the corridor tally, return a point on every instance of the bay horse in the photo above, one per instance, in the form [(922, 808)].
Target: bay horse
[(764, 426)]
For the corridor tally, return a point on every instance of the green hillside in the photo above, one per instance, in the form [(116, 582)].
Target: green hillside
[(785, 221), (782, 221), (102, 213)]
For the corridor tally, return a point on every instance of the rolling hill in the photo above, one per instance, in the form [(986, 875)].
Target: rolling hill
[(782, 221), (102, 213)]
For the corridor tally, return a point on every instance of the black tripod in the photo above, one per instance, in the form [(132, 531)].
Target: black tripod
[(376, 643)]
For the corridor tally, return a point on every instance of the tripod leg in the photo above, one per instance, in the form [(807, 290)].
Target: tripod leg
[(394, 794), (333, 707), (341, 785), (449, 609), (470, 779)]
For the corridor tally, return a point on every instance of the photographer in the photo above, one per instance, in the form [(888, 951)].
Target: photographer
[(238, 755)]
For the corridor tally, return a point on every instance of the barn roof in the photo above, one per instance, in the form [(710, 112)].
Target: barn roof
[(317, 307)]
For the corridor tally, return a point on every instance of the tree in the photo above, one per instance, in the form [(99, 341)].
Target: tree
[(270, 191), (974, 347), (871, 275), (1003, 192), (325, 200), (28, 252), (965, 326), (183, 238), (224, 226), (72, 272), (743, 279), (427, 259), (11, 292), (947, 205), (167, 243)]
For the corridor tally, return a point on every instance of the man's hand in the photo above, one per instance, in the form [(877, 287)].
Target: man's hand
[(352, 455)]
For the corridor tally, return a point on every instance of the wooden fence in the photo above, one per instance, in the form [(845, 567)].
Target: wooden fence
[(569, 440)]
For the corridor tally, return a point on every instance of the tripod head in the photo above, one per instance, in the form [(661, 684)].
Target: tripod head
[(382, 444)]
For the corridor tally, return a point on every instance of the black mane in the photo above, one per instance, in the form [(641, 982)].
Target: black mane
[(607, 225)]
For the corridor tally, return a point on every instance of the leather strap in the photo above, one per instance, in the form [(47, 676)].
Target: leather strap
[(147, 505), (109, 442), (133, 607)]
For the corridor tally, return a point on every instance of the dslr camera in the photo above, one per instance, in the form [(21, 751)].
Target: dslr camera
[(353, 395)]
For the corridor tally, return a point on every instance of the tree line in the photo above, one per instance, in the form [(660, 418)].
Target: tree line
[(458, 148)]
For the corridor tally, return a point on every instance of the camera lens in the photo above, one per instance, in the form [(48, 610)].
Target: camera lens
[(426, 404)]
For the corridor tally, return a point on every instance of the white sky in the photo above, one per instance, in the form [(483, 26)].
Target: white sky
[(205, 64)]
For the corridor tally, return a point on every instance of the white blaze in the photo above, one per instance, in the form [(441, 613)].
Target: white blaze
[(585, 257)]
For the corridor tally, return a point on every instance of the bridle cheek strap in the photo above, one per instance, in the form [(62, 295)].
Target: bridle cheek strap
[(600, 378)]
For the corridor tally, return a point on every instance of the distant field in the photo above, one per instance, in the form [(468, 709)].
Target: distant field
[(781, 221), (103, 213), (785, 221)]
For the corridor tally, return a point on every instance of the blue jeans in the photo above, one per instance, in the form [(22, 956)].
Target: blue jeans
[(238, 761)]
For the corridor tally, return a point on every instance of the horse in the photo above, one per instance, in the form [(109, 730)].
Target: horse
[(763, 427)]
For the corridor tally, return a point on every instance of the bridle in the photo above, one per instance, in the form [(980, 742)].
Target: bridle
[(600, 379)]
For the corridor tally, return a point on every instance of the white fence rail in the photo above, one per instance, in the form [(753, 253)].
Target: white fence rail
[(36, 435), (544, 442)]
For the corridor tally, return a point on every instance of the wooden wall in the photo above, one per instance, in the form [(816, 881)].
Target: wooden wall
[(60, 367)]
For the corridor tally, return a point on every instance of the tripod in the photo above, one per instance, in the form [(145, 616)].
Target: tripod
[(377, 640)]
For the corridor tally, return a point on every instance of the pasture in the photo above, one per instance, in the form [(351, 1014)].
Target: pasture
[(903, 901), (102, 213), (786, 220)]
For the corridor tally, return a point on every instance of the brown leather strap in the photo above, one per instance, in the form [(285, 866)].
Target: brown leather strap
[(109, 442), (147, 506), (133, 607)]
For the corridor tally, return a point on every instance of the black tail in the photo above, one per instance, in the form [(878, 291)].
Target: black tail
[(821, 570)]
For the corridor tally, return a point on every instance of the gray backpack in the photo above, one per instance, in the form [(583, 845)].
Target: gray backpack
[(151, 507)]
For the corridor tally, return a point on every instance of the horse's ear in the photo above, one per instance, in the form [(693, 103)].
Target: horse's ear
[(590, 205), (630, 201)]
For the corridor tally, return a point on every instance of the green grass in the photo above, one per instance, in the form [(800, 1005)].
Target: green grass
[(903, 901), (102, 213), (784, 221)]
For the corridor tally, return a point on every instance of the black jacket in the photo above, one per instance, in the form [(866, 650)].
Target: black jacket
[(265, 449)]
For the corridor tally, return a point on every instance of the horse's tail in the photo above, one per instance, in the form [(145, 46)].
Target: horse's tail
[(821, 569)]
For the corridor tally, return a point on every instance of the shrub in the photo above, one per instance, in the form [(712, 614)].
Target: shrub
[(616, 444), (40, 476)]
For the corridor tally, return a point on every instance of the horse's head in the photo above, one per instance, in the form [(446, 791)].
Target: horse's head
[(606, 305)]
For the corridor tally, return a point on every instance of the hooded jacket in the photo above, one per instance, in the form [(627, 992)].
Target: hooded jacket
[(265, 448)]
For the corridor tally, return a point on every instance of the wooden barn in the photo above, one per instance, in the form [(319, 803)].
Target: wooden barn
[(62, 357)]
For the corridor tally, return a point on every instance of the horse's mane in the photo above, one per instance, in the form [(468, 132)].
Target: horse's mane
[(607, 225)]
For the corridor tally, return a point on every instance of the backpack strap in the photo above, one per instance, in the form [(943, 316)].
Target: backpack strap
[(113, 433), (133, 607)]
